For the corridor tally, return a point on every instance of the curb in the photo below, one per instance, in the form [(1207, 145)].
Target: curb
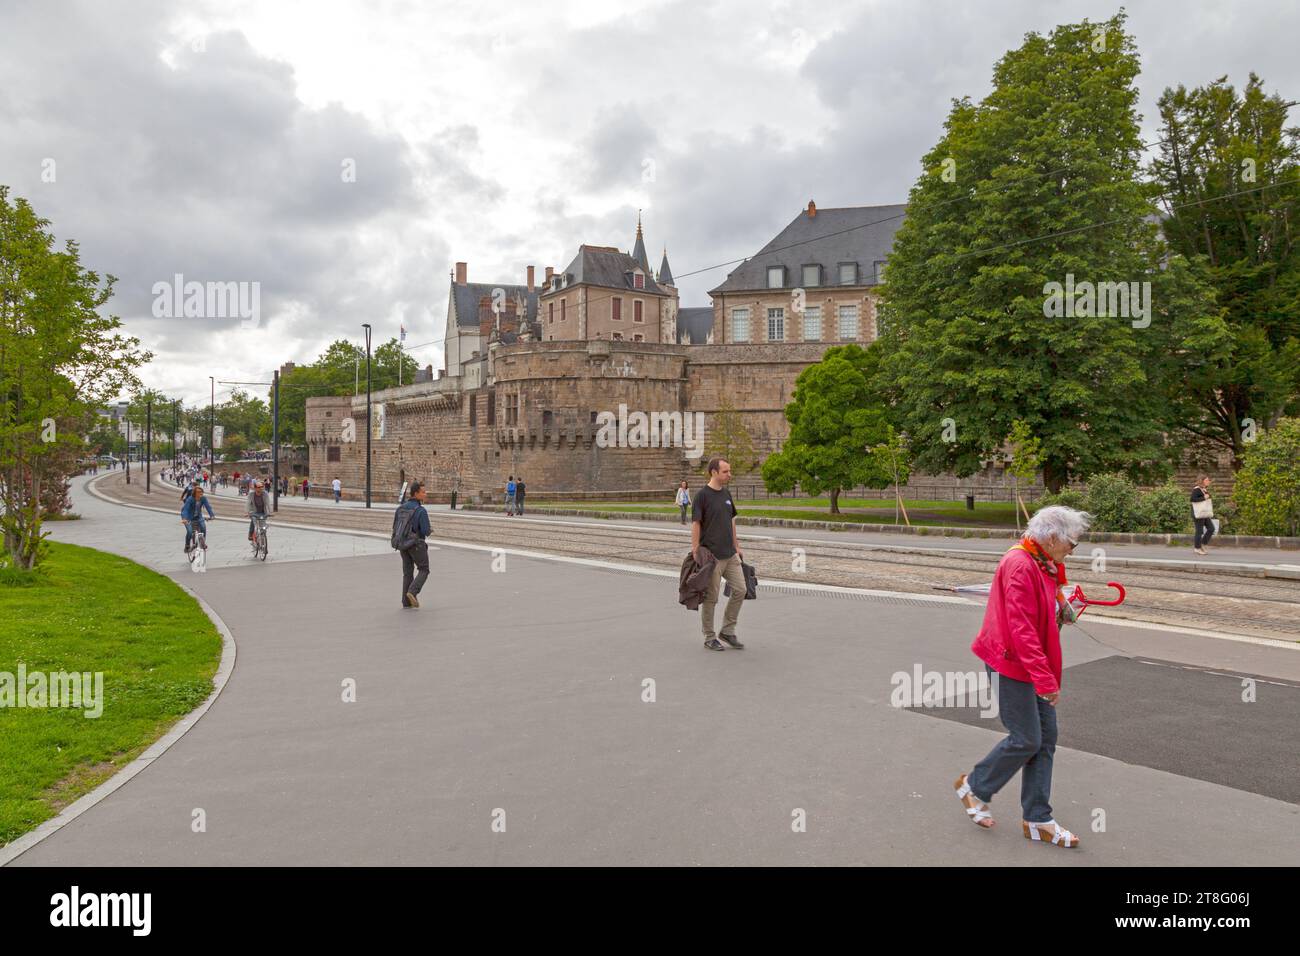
[(1280, 543), (11, 851)]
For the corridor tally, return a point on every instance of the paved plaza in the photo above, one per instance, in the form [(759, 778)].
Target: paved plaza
[(518, 697)]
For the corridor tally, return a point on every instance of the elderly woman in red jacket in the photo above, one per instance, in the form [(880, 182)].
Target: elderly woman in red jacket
[(1020, 644)]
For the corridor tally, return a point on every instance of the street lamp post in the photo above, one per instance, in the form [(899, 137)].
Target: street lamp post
[(148, 447), (212, 404), (366, 326), (275, 442)]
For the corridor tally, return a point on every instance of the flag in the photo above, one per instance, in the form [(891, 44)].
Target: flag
[(403, 328)]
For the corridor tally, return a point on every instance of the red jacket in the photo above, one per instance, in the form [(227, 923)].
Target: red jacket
[(1020, 638)]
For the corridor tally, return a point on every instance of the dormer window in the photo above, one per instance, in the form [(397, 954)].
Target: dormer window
[(776, 277), (812, 276), (848, 273), (638, 281)]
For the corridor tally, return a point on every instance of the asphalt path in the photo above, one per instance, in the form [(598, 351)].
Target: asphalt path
[(508, 721)]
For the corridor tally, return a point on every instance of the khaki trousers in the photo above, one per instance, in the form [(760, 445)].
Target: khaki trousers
[(731, 570)]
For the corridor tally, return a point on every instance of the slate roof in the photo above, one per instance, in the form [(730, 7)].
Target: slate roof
[(605, 266), (695, 322), (665, 274), (467, 297), (861, 234)]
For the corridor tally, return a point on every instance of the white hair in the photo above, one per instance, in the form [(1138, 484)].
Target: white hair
[(1057, 522)]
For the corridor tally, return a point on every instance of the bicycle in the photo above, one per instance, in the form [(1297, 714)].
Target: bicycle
[(260, 549), (198, 554)]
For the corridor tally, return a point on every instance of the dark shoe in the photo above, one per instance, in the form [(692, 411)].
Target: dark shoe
[(731, 641), (411, 600), (713, 644)]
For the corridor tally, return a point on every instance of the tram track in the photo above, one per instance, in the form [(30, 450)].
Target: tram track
[(1233, 601)]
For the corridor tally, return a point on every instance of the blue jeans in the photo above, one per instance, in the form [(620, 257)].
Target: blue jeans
[(193, 526), (1028, 750)]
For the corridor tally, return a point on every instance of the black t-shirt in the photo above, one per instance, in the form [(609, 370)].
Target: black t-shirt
[(714, 510)]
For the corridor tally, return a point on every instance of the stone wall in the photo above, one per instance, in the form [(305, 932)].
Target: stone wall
[(539, 417)]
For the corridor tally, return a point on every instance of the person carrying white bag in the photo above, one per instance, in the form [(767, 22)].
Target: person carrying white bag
[(1203, 513)]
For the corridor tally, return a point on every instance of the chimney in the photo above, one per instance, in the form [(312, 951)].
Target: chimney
[(550, 271), (530, 278), (461, 269), (812, 209)]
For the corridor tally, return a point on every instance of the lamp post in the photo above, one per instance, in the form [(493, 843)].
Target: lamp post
[(148, 446), (275, 442), (366, 326), (212, 404)]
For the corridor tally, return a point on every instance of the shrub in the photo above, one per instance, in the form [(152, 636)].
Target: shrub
[(1115, 504), (1069, 497), (1167, 510), (1267, 492)]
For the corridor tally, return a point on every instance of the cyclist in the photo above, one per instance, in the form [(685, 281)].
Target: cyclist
[(256, 505), (192, 515)]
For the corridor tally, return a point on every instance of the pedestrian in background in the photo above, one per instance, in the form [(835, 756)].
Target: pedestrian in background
[(338, 490), (410, 528), (683, 500), (511, 488), (1203, 514), (519, 495)]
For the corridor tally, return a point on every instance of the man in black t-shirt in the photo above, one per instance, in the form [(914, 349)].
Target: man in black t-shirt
[(713, 526)]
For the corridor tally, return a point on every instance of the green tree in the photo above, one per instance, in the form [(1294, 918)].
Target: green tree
[(1228, 170), (1267, 490), (1026, 457), (60, 362), (1028, 192), (729, 439), (836, 422)]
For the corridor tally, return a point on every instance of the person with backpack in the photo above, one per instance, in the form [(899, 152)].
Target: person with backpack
[(511, 488), (410, 528)]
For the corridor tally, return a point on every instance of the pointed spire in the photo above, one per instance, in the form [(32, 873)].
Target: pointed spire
[(638, 251), (665, 274)]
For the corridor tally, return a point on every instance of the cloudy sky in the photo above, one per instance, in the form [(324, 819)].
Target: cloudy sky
[(217, 140)]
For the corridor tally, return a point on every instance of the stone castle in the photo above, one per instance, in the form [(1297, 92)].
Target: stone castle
[(530, 367)]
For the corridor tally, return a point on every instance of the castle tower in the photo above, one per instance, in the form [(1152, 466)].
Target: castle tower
[(638, 250), (668, 326)]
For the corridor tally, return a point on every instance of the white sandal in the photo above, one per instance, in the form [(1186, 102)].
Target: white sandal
[(976, 810), (1060, 836)]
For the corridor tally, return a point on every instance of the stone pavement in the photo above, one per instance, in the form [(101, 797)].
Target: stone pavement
[(520, 697)]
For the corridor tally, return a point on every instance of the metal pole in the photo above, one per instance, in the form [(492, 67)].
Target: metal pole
[(366, 326), (148, 447), (212, 405), (176, 428), (127, 455), (275, 441)]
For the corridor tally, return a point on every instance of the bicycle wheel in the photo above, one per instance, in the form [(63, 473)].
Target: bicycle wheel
[(261, 545)]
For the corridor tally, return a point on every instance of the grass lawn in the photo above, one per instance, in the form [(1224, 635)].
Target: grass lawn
[(90, 611), (987, 514)]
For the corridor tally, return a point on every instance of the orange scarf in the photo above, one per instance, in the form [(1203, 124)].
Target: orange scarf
[(1054, 569)]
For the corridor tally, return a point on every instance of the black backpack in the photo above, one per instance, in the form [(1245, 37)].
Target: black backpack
[(402, 536)]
